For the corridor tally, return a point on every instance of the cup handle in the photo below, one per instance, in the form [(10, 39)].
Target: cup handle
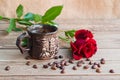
[(19, 40)]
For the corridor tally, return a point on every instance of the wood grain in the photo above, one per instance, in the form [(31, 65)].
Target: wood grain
[(73, 9), (59, 77), (105, 40), (16, 61), (15, 55)]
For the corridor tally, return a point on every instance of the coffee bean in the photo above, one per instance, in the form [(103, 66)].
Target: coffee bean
[(62, 71), (74, 68), (53, 67), (87, 59), (56, 57), (66, 63), (45, 66), (90, 63), (85, 67), (102, 59), (35, 66), (102, 62), (49, 63), (71, 61), (60, 56), (62, 67), (81, 61), (98, 70), (79, 64), (28, 63), (98, 65), (7, 68), (58, 65), (94, 67), (55, 62), (62, 63), (94, 63), (111, 71)]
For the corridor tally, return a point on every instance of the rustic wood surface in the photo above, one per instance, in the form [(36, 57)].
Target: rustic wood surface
[(106, 32), (73, 9)]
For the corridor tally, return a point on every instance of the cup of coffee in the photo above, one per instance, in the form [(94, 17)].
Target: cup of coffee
[(42, 41)]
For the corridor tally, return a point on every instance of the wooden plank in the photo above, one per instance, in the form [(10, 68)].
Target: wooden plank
[(105, 40), (19, 68), (16, 61), (14, 54), (60, 77), (91, 24)]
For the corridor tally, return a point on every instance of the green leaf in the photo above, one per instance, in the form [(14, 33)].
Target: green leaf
[(29, 16), (64, 39), (52, 23), (1, 17), (37, 17), (52, 13), (23, 22), (24, 42), (19, 11), (17, 29), (11, 26), (70, 33)]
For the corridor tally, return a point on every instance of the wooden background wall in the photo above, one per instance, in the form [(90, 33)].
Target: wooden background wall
[(73, 9)]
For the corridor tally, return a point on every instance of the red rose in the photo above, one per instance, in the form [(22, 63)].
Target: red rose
[(83, 34), (83, 47)]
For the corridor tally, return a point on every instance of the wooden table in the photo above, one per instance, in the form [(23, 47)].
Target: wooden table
[(106, 32)]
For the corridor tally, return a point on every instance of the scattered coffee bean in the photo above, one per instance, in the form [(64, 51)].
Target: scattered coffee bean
[(90, 63), (62, 67), (102, 62), (98, 70), (58, 65), (71, 61), (28, 63), (55, 62), (35, 66), (82, 62), (102, 59), (49, 63), (66, 63), (87, 59), (53, 67), (111, 71), (94, 63), (7, 68), (79, 64), (62, 71), (98, 65), (56, 57), (74, 68), (60, 56), (94, 67), (45, 66), (85, 67), (62, 62)]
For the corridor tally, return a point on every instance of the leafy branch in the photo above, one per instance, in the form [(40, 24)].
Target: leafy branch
[(31, 18), (69, 36)]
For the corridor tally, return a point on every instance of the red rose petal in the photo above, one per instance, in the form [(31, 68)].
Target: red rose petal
[(74, 49), (83, 34), (89, 48), (77, 57), (78, 43)]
